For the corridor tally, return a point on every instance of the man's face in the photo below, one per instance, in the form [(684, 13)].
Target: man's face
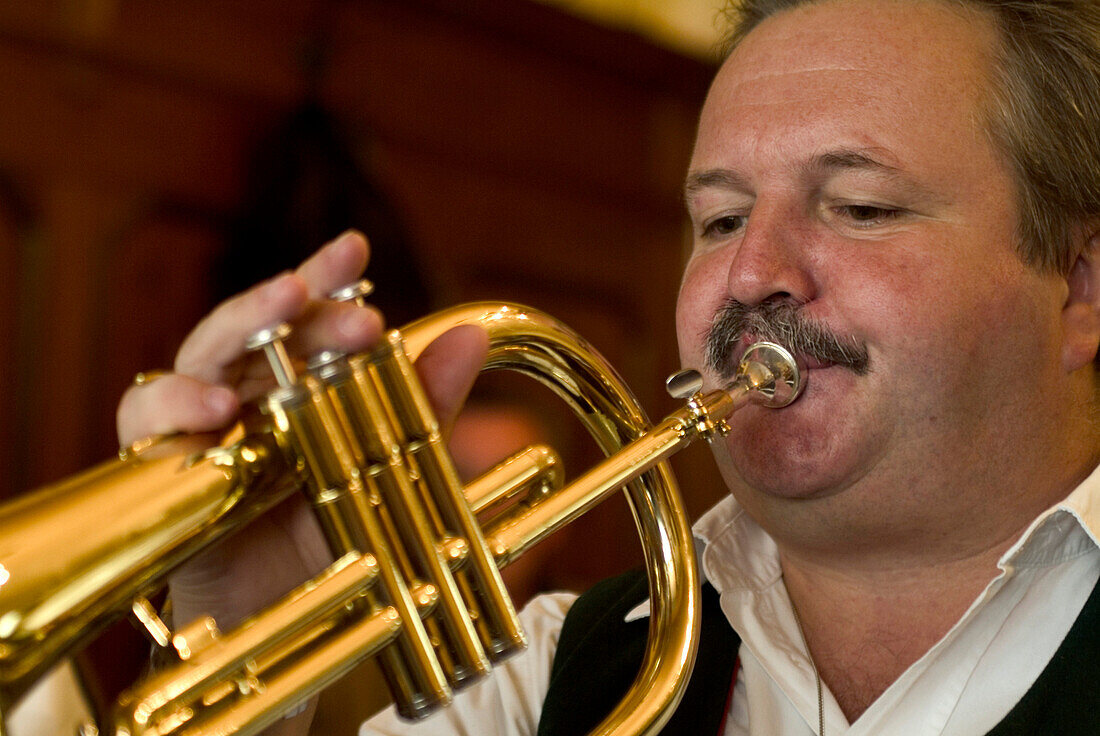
[(842, 168)]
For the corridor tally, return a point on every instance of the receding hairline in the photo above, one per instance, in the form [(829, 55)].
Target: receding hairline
[(738, 32), (992, 59)]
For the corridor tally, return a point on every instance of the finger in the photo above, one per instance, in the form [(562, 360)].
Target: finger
[(448, 368), (245, 572), (325, 326), (345, 327), (173, 404), (337, 264), (218, 342)]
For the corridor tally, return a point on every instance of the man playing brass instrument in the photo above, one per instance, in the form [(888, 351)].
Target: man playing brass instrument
[(907, 193)]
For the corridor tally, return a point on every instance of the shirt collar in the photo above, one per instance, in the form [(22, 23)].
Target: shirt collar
[(1067, 529), (725, 525), (729, 534)]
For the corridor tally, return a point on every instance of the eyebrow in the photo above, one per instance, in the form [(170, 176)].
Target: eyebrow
[(843, 159), (850, 159), (713, 178)]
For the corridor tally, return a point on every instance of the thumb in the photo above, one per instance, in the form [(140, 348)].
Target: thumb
[(448, 368)]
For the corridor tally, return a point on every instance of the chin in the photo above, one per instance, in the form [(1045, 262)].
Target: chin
[(789, 456)]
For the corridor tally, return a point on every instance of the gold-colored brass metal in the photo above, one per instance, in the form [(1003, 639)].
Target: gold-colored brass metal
[(416, 582), (536, 470)]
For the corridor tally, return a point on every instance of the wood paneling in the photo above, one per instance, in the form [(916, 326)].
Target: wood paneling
[(530, 156)]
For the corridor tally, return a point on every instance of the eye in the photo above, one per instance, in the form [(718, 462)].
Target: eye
[(866, 214), (725, 225)]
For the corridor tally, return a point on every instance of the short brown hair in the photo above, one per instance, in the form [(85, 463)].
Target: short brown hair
[(1043, 113)]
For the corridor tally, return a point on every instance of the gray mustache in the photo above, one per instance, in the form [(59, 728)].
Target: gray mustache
[(783, 323)]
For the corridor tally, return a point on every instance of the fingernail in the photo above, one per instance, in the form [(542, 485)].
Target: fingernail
[(349, 234), (220, 400)]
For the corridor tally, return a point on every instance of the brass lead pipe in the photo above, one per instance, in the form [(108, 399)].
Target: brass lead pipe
[(515, 533), (538, 465)]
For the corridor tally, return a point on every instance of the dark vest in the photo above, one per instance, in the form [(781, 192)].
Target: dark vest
[(599, 654)]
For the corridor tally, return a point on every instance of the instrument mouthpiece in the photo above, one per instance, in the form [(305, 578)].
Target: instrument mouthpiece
[(774, 372)]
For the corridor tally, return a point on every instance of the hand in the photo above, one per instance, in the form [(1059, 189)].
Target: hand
[(214, 375)]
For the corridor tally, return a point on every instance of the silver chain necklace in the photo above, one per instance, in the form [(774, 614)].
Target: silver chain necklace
[(817, 675)]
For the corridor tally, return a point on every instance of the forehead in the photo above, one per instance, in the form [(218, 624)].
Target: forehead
[(887, 73)]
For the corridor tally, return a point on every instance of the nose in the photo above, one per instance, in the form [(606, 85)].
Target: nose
[(772, 259)]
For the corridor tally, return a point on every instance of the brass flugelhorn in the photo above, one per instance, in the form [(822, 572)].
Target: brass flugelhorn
[(416, 581)]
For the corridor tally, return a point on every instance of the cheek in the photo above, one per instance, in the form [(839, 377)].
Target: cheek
[(952, 341), (702, 291), (902, 302), (688, 331)]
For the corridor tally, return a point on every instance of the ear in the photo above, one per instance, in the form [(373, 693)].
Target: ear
[(1081, 314)]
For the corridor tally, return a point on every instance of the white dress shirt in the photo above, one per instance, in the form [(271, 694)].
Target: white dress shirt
[(507, 702), (54, 706), (963, 686)]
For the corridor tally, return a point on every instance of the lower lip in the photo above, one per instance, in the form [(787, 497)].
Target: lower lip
[(826, 380)]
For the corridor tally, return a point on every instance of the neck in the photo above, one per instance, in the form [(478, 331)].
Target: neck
[(864, 625), (863, 631)]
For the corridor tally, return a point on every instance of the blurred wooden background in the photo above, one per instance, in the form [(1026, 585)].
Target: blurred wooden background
[(525, 154)]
